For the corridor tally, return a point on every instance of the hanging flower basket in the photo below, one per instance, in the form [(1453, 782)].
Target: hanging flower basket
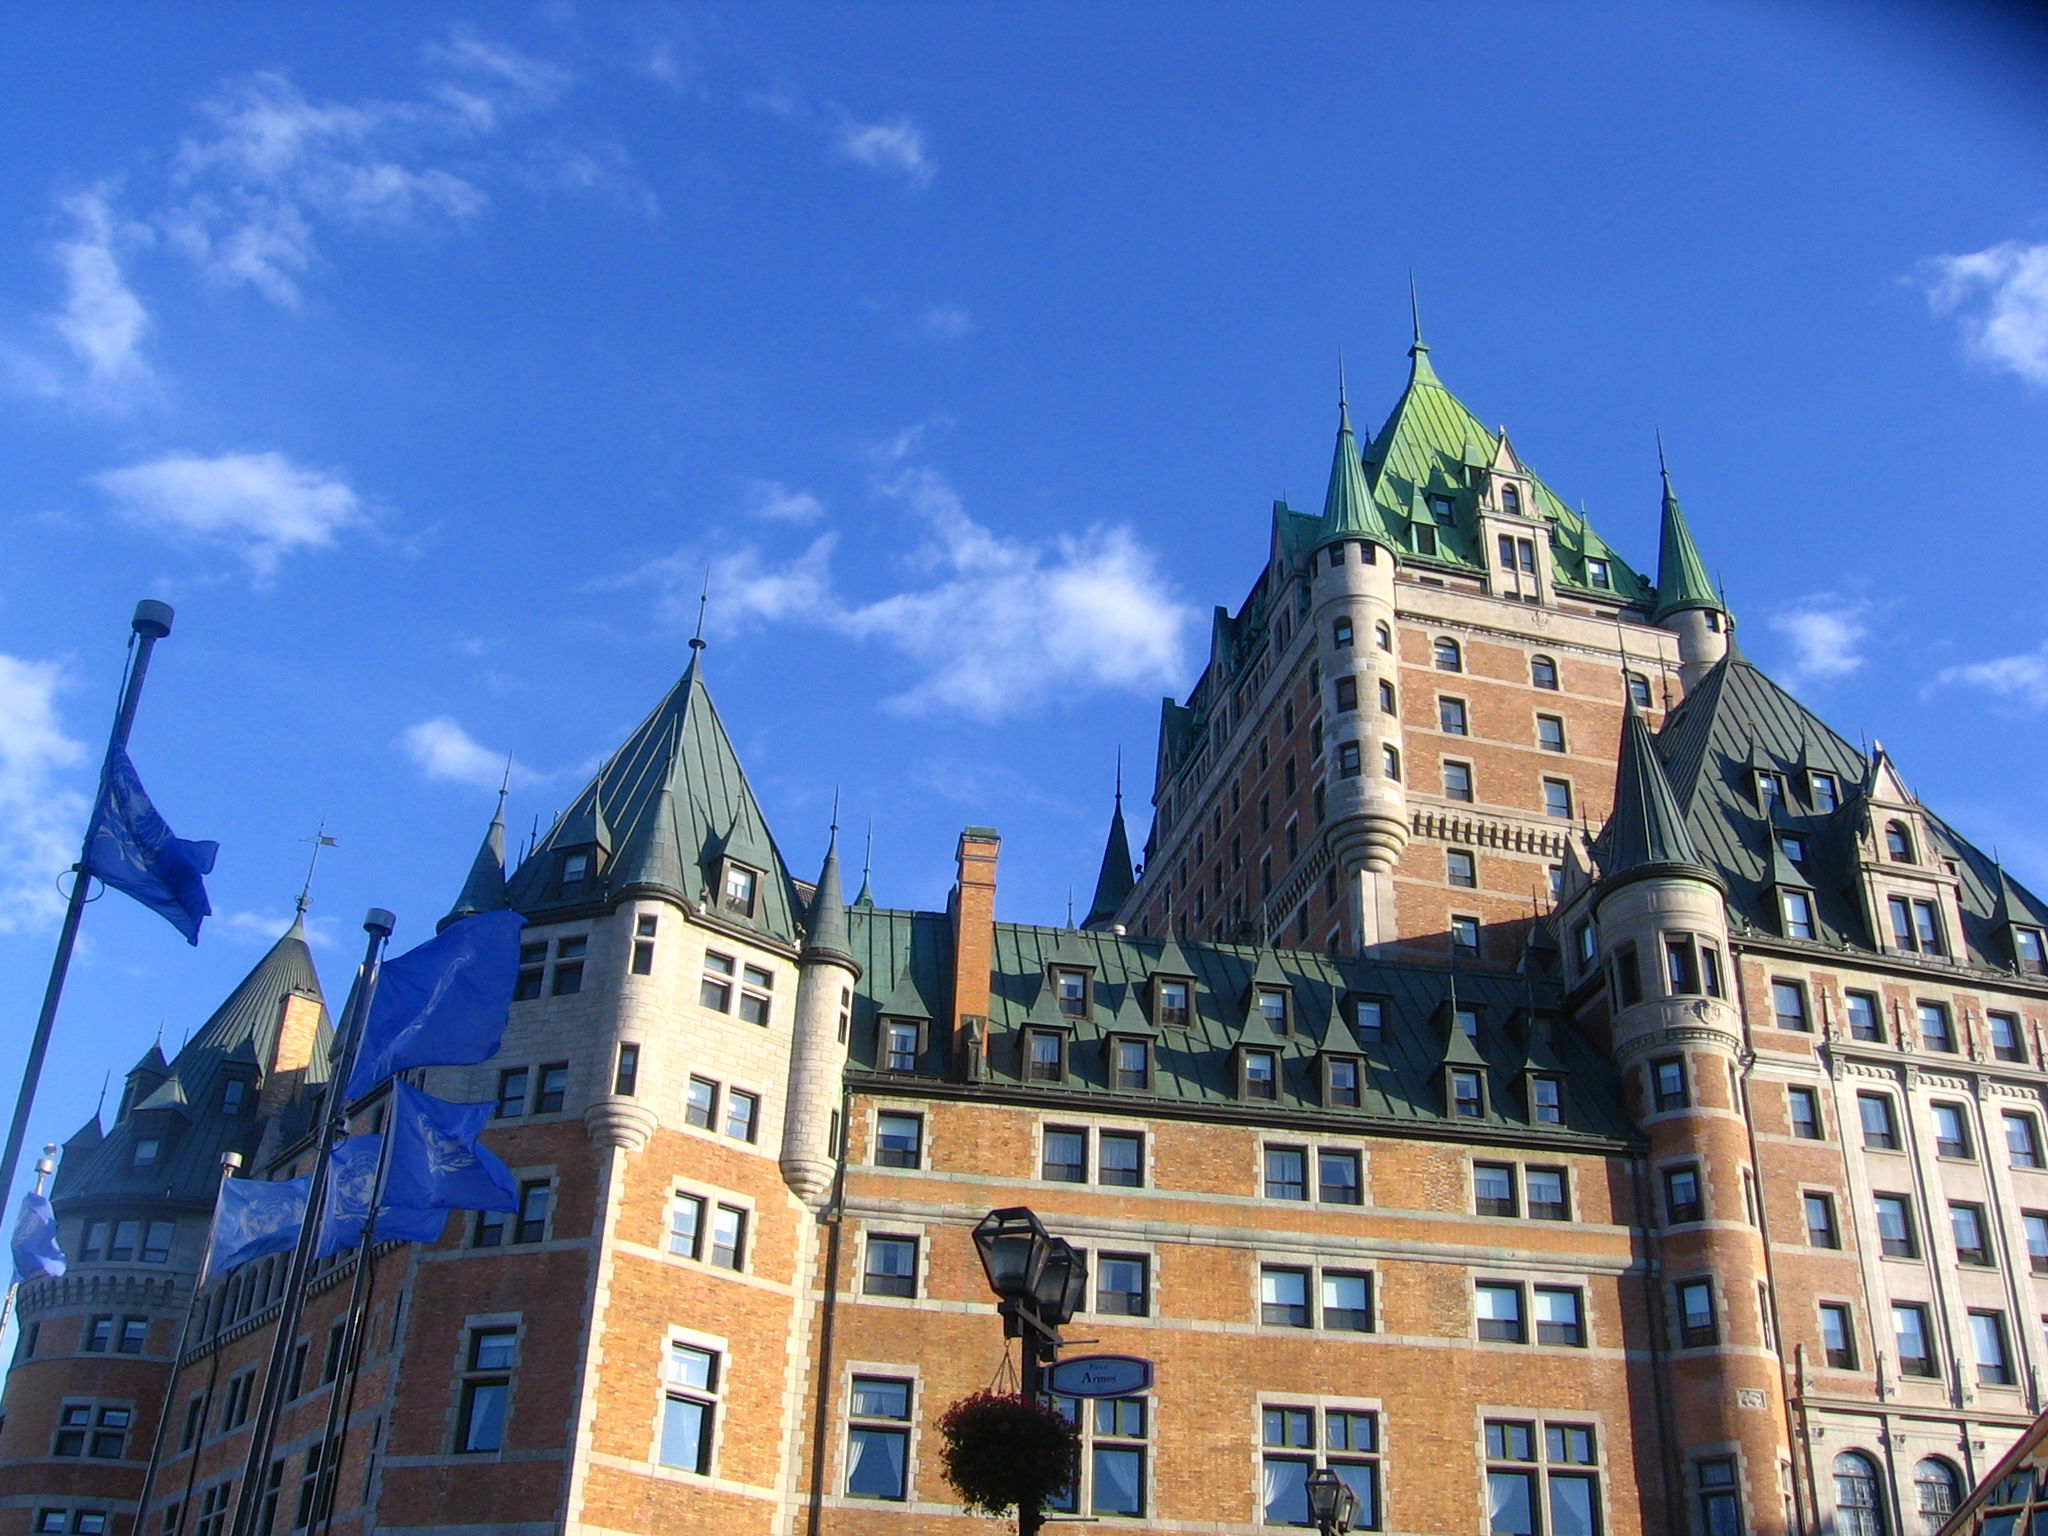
[(1003, 1451)]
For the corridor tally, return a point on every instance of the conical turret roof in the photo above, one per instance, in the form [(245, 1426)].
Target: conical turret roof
[(1647, 830), (1348, 510), (1114, 881), (825, 931), (1681, 575), (483, 890)]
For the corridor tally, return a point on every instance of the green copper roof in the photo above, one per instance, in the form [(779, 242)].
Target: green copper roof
[(1429, 441), (1681, 574), (667, 807), (825, 935), (1114, 881), (1647, 830), (1348, 510), (484, 888)]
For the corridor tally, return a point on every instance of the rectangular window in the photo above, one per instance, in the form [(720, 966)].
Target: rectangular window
[(1895, 1227), (1120, 1284), (1987, 1342), (2035, 1225), (1130, 1063), (2006, 1044), (742, 1115), (626, 1074), (686, 1226), (1560, 1316), (900, 1045), (899, 1140), (1557, 799), (756, 1006), (511, 1093), (1880, 1128), (1824, 792), (1909, 1332), (1838, 1335), (1045, 1056), (1548, 1200), (553, 1088), (1493, 1189), (1464, 934), (2022, 1139), (1865, 1022), (480, 1421), (134, 1336), (891, 1267), (1347, 1301), (1461, 869), (1458, 781), (700, 1103), (1500, 1312), (1821, 1231), (1546, 1100), (213, 1509), (1120, 1158), (1682, 1201), (1342, 1082), (1967, 1224), (1337, 1178), (1450, 716), (729, 1237), (1797, 909), (715, 990), (1173, 1002), (878, 1439), (532, 966), (1283, 1297), (1951, 1131), (1550, 733), (1697, 1327), (689, 1408), (1286, 1173), (1668, 1085), (1803, 1109), (1261, 1075), (1066, 1156), (1720, 1499), (1347, 693), (1788, 1004), (531, 1224), (1936, 1033)]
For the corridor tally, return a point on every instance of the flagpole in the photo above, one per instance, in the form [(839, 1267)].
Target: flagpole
[(152, 621), (333, 1120), (229, 1162)]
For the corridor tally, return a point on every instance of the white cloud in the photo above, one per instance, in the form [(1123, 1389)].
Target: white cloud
[(944, 322), (441, 749), (2001, 296), (1827, 633), (41, 820), (267, 927), (102, 320), (893, 148), (776, 502), (2021, 680), (261, 505)]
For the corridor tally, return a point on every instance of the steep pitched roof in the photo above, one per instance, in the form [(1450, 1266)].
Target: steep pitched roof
[(1348, 509), (669, 804), (1735, 717), (825, 931), (1646, 831), (1681, 573), (1429, 440), (183, 1114), (1114, 881), (483, 889)]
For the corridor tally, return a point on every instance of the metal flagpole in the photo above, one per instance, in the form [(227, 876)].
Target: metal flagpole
[(45, 1166), (151, 623), (229, 1162), (333, 1121)]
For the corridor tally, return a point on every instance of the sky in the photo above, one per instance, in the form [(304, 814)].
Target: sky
[(429, 357)]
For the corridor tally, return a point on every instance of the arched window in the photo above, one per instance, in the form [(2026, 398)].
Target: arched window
[(1898, 842), (1937, 1489), (1448, 657), (1340, 633), (1859, 1504), (1543, 672), (1383, 634), (1390, 762), (1511, 501)]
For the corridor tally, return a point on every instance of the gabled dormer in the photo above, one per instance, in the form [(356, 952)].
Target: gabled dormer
[(1269, 997), (1340, 1059), (1512, 531), (144, 1078), (1070, 979), (1261, 1048), (1542, 1077), (2024, 934), (1170, 986), (583, 847), (1911, 893), (1461, 1072), (1788, 852)]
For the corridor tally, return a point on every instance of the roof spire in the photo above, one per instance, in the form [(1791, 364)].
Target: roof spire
[(697, 641), (483, 889), (319, 840), (1349, 511), (1415, 315), (1647, 830), (1681, 575), (825, 930), (867, 869), (1113, 882)]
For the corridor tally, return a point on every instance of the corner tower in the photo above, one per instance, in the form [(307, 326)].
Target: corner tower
[(1687, 604)]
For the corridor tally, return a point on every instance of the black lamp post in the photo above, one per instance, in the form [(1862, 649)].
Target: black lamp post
[(1041, 1281), (1331, 1503)]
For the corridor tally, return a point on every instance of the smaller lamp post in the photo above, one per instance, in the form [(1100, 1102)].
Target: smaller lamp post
[(1331, 1503), (1041, 1281)]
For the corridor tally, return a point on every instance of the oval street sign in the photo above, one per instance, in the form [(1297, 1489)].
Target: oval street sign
[(1100, 1376)]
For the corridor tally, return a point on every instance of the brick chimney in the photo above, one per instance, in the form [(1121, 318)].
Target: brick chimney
[(298, 1028), (974, 946)]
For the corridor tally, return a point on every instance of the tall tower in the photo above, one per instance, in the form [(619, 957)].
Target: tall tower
[(826, 975), (1660, 916), (1352, 569), (1687, 604)]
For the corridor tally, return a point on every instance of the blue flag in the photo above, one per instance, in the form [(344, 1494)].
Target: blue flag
[(130, 848), (437, 1163), (35, 1239), (351, 1183), (442, 1004), (254, 1217)]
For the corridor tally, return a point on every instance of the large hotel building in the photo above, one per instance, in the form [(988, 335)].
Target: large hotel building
[(1541, 1072)]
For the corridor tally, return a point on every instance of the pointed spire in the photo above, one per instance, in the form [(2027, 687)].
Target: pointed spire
[(1348, 508), (1647, 830), (867, 870), (1418, 350), (1114, 882), (1682, 580), (825, 930), (483, 890)]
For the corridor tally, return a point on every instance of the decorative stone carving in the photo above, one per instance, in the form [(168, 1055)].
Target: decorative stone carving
[(614, 1121)]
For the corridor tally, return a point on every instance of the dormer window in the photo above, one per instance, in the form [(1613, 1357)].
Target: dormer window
[(1468, 1094), (1172, 996), (739, 890), (1797, 909), (1916, 926), (1368, 1019), (148, 1149), (1770, 789), (1130, 1062), (1898, 843), (1793, 846), (1341, 1082), (1272, 1005), (234, 1096), (575, 870), (1071, 988), (1825, 791), (1510, 501), (1261, 1075), (1444, 510), (1546, 1100), (1598, 576), (902, 1042), (1425, 539), (2028, 944), (1467, 1020), (1045, 1056)]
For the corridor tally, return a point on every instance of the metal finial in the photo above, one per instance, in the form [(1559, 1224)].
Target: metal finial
[(867, 862), (1663, 468), (105, 1078), (504, 786), (697, 641), (319, 840), (1070, 906), (1343, 405), (1119, 776), (835, 813)]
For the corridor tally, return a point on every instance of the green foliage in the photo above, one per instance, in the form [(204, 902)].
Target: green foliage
[(1003, 1451)]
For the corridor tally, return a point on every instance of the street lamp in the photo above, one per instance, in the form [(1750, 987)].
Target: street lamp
[(1042, 1281), (1013, 1246), (1331, 1503)]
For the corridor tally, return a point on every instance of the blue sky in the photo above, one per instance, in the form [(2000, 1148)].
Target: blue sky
[(426, 356)]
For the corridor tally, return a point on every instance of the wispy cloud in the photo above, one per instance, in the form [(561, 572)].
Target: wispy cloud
[(265, 927), (101, 321), (441, 749), (2000, 298), (778, 503), (893, 148), (40, 817), (1827, 633), (2021, 680), (944, 322), (260, 505)]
